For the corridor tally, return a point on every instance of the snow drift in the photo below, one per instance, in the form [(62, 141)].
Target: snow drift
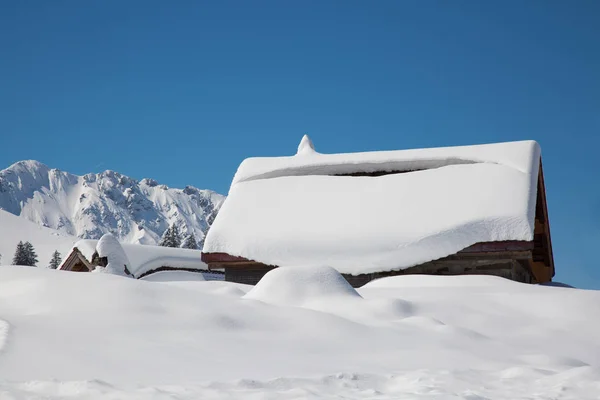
[(73, 335)]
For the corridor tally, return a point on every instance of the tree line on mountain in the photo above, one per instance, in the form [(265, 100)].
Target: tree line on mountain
[(25, 255), (172, 238)]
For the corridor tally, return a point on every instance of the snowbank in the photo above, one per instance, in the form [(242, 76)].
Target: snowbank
[(297, 286), (174, 276), (422, 281), (70, 336)]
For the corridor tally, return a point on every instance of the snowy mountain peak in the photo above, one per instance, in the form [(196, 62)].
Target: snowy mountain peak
[(306, 146), (91, 205)]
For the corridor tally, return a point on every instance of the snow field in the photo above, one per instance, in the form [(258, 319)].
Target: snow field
[(96, 336), (44, 240)]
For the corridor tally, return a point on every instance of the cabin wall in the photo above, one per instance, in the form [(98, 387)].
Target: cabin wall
[(512, 266), (249, 275)]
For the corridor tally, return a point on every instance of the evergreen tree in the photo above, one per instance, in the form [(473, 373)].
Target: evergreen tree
[(190, 242), (165, 239), (30, 254), (176, 236), (171, 237), (55, 261), (20, 257)]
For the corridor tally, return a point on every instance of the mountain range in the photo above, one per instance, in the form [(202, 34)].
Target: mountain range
[(93, 204)]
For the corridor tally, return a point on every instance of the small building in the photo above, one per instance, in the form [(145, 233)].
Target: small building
[(448, 211), (145, 260)]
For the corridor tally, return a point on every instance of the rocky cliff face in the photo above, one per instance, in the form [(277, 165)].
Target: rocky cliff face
[(89, 206)]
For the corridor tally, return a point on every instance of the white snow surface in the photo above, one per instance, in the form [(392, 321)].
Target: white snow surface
[(522, 156), (145, 258), (118, 264), (90, 336), (296, 286), (174, 276), (108, 202), (289, 211), (44, 240)]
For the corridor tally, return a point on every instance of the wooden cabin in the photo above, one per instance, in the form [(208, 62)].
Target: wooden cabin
[(510, 174), (144, 260)]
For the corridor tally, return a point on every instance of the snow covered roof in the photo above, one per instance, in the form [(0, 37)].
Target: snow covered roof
[(522, 156), (297, 210), (145, 258)]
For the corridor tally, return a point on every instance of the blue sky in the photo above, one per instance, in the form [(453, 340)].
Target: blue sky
[(183, 91)]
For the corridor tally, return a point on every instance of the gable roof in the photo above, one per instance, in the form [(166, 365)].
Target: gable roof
[(298, 210), (146, 258), (522, 156)]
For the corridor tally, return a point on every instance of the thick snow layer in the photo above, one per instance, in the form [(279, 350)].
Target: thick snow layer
[(522, 156), (108, 246), (44, 240), (296, 286), (101, 336), (174, 276), (370, 224), (145, 258)]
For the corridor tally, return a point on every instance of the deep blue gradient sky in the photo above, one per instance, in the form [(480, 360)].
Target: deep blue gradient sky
[(183, 91)]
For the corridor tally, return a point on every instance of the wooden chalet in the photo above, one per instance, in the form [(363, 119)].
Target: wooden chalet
[(145, 260), (529, 261)]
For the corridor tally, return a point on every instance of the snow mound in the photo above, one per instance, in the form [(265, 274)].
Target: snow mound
[(108, 246), (439, 281), (299, 286), (174, 276)]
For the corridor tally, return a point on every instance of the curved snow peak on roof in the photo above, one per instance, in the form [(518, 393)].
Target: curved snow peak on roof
[(145, 258), (108, 246), (522, 156), (290, 211), (306, 146)]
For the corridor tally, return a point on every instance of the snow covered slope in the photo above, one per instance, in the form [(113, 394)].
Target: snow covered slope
[(44, 240), (91, 205), (468, 337)]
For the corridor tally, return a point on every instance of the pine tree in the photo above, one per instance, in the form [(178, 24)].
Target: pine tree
[(171, 237), (55, 261), (20, 257), (165, 239), (30, 254), (176, 236), (190, 242)]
